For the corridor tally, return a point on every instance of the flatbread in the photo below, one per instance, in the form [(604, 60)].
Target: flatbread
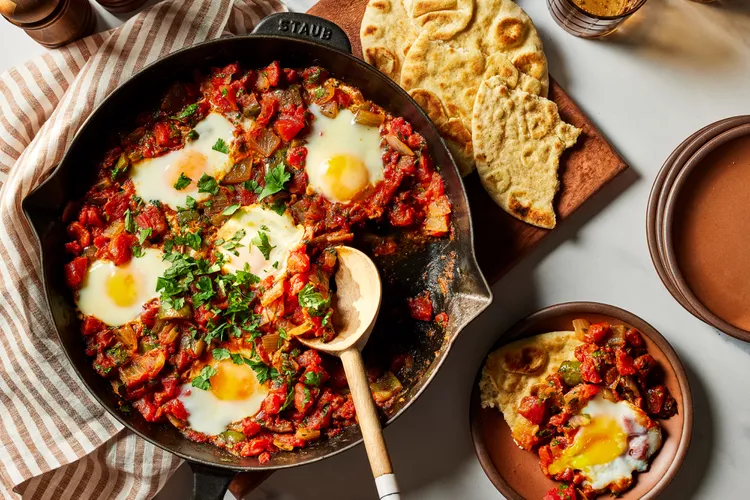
[(387, 33), (442, 18), (504, 390), (518, 139), (453, 68), (454, 40)]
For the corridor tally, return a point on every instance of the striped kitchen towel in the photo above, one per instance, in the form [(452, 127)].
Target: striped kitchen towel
[(57, 441)]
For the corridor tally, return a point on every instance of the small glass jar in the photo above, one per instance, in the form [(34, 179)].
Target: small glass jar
[(580, 23)]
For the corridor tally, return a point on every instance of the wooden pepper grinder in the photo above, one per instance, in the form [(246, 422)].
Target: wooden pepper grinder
[(52, 23), (119, 6)]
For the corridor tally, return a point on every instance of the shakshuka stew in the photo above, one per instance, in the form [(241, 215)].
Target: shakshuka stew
[(206, 248)]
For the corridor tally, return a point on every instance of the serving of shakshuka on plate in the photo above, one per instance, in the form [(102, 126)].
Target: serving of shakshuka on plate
[(206, 248)]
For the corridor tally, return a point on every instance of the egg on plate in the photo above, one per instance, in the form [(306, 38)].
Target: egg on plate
[(233, 393), (259, 238), (344, 158), (615, 441), (155, 178), (116, 294)]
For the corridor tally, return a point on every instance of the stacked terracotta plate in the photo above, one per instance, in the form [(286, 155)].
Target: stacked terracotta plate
[(698, 225)]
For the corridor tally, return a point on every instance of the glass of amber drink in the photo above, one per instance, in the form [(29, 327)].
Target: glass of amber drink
[(592, 18)]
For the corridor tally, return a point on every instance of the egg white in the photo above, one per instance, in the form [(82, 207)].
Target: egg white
[(282, 233), (154, 178), (336, 137), (95, 296), (629, 418), (210, 413)]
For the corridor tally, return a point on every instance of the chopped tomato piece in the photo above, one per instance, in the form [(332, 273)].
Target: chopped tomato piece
[(401, 214), (298, 261), (250, 427), (304, 397), (147, 409), (73, 248), (533, 409), (562, 492), (269, 105), (117, 204), (152, 218), (273, 73), (274, 401), (441, 319), (75, 271), (91, 216), (624, 363), (291, 75), (91, 325), (420, 307), (176, 408), (258, 445), (290, 122), (633, 337), (589, 371), (167, 135), (121, 248), (342, 98), (80, 234), (655, 398), (597, 333), (295, 156)]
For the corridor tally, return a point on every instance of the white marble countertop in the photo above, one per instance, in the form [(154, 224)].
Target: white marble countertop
[(673, 68)]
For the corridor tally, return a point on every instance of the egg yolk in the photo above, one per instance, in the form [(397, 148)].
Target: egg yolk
[(598, 443), (191, 163), (344, 176), (233, 382), (122, 288)]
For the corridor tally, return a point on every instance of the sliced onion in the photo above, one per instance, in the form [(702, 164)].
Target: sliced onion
[(114, 229), (370, 119), (282, 445), (330, 109), (398, 145), (581, 326), (126, 335), (271, 342), (266, 143), (307, 434), (273, 293), (301, 329), (240, 173)]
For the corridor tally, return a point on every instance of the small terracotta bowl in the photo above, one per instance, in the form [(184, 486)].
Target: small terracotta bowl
[(516, 472), (670, 209)]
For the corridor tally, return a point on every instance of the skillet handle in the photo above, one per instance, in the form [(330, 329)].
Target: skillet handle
[(305, 27), (210, 483)]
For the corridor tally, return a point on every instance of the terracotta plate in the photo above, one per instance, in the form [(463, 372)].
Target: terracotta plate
[(516, 473)]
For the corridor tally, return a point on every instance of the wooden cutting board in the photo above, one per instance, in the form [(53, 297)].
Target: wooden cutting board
[(500, 240)]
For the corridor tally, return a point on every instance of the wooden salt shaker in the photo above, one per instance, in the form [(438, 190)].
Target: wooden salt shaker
[(51, 23), (119, 6)]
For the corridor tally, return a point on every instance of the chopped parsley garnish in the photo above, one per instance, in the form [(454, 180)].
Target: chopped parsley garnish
[(312, 378), (275, 180), (129, 221), (313, 301), (120, 167), (224, 91), (289, 398), (221, 146), (262, 243), (207, 184), (202, 381), (283, 334), (143, 234), (192, 135), (190, 202), (276, 265), (205, 291), (189, 110), (308, 396), (279, 207), (230, 209), (253, 186), (319, 92), (220, 353), (234, 241), (138, 251), (182, 182)]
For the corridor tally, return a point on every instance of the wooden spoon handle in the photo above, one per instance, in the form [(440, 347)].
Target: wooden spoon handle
[(369, 424)]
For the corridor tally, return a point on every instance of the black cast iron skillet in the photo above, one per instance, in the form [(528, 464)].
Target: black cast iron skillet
[(297, 40)]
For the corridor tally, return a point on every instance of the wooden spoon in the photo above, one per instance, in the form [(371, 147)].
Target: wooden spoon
[(355, 307)]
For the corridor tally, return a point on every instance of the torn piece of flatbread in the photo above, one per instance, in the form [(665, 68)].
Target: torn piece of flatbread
[(502, 386), (518, 139), (387, 34)]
